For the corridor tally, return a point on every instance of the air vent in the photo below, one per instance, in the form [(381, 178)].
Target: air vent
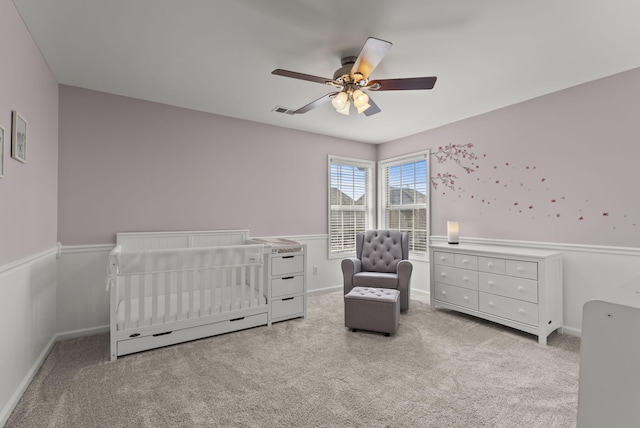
[(284, 110)]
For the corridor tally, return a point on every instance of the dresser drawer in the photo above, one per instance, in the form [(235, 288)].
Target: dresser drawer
[(442, 258), (516, 310), (457, 296), (509, 286), (287, 264), (287, 307), (522, 269), (466, 261), (454, 276), (287, 285), (491, 264)]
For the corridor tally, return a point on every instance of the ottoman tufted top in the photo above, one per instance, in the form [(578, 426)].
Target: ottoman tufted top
[(370, 293)]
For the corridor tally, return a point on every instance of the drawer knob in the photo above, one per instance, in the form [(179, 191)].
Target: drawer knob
[(491, 304), (443, 274), (443, 258), (491, 283), (465, 278), (520, 269), (490, 264), (520, 288), (521, 311), (465, 261), (444, 293), (466, 298)]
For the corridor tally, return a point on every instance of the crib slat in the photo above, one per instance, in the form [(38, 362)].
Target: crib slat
[(154, 298), (233, 285), (179, 278), (259, 282), (142, 279), (202, 276), (212, 287), (167, 296), (127, 302), (252, 284), (243, 281), (190, 294)]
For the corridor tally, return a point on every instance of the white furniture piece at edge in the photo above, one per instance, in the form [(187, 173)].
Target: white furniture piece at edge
[(517, 287), (609, 390)]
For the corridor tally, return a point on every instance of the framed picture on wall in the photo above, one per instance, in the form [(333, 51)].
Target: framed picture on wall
[(19, 138), (1, 152)]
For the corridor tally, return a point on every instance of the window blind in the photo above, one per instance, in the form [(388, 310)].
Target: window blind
[(350, 202), (405, 199)]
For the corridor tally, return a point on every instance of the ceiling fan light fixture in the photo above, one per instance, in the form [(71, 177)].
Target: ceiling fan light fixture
[(360, 100), (340, 101), (345, 109)]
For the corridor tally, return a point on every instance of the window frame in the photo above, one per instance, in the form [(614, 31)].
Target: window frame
[(369, 208), (382, 195)]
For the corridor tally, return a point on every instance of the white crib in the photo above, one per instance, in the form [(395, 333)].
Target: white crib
[(172, 287)]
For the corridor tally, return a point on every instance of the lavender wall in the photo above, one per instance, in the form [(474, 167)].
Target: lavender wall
[(28, 191), (560, 168), (132, 165)]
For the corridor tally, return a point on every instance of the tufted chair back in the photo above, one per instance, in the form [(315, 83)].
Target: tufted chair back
[(382, 250)]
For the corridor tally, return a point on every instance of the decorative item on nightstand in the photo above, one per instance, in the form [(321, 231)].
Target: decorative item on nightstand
[(452, 232)]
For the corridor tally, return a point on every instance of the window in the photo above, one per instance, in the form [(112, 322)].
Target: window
[(404, 198), (351, 203)]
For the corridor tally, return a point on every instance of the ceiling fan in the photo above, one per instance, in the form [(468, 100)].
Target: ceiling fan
[(352, 80)]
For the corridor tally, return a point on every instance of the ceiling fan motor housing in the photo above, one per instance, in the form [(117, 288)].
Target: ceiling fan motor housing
[(342, 74)]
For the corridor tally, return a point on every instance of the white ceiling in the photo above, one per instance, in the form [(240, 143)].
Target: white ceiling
[(217, 55)]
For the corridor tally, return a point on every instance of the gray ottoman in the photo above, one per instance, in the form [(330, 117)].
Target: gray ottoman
[(373, 309)]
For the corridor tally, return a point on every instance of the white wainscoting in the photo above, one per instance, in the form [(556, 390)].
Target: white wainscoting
[(27, 323), (589, 272), (83, 300)]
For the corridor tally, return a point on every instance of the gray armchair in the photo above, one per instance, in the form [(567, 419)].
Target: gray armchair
[(381, 262)]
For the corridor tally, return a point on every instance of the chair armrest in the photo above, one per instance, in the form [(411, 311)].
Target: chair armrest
[(349, 268), (405, 268)]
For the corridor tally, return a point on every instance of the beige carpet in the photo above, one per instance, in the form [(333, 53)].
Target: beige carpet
[(441, 369)]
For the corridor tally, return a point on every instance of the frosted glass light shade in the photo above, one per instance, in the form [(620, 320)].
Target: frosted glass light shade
[(453, 236), (360, 100), (340, 101), (345, 109)]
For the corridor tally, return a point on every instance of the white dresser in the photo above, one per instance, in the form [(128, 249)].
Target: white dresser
[(287, 284), (517, 287)]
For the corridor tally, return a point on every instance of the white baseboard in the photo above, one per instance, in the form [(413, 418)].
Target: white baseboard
[(81, 333), (17, 395), (324, 290), (572, 331)]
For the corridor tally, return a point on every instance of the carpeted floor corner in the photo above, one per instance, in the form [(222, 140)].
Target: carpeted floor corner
[(441, 369)]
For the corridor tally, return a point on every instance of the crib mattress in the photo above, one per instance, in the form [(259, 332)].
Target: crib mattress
[(202, 306)]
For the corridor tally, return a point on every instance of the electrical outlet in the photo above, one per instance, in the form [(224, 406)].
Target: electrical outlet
[(315, 270)]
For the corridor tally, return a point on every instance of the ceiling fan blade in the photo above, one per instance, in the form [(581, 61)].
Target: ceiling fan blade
[(402, 84), (313, 104), (370, 56), (373, 109), (301, 76)]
